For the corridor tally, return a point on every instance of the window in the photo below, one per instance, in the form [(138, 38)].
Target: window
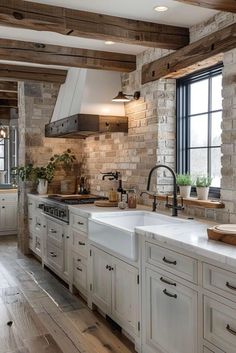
[(199, 116), (9, 153)]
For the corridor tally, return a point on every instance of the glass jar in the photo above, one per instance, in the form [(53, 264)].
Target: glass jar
[(132, 198)]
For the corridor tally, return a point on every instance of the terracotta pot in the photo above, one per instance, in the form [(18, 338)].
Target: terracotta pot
[(42, 187), (185, 191), (202, 193)]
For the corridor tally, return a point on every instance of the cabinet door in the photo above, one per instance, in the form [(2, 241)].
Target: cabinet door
[(8, 217), (101, 280), (171, 315), (125, 295)]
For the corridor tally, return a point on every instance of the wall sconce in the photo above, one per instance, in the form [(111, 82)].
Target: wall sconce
[(123, 97), (3, 132)]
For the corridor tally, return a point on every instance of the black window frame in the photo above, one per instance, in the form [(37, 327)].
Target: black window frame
[(10, 156), (182, 123)]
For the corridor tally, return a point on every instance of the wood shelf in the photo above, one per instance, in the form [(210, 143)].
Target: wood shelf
[(192, 201)]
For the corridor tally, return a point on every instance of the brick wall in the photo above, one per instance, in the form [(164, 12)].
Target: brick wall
[(36, 105)]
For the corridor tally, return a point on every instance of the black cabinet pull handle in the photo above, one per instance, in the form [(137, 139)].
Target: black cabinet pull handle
[(107, 267), (79, 260), (79, 269), (169, 294), (168, 261), (53, 231), (81, 243), (230, 330), (81, 223), (230, 287), (167, 282), (3, 206)]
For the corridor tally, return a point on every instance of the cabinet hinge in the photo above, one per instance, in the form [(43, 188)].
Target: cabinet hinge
[(90, 252), (139, 326), (137, 279), (91, 287)]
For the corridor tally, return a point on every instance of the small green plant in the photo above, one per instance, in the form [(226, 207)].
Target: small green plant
[(203, 181), (184, 179), (31, 173)]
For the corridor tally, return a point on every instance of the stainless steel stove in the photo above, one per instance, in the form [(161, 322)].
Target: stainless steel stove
[(56, 206)]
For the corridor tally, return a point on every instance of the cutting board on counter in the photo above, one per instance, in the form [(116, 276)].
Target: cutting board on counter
[(106, 203), (225, 233)]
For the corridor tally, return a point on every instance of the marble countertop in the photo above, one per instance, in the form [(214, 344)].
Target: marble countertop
[(8, 191), (191, 236)]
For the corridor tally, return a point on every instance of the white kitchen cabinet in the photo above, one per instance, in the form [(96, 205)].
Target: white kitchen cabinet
[(8, 213), (115, 289), (170, 315), (101, 280), (125, 281), (79, 271)]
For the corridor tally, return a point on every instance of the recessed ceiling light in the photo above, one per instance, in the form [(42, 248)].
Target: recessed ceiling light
[(109, 42), (161, 8)]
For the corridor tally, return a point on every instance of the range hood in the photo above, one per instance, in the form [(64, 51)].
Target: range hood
[(84, 106)]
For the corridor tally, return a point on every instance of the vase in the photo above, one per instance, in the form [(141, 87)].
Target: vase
[(202, 193), (185, 191), (42, 187)]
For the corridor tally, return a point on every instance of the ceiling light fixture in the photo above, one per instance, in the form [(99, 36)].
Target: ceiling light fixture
[(109, 42), (161, 8), (123, 97)]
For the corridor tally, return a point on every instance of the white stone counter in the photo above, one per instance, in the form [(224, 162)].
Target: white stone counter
[(191, 236), (8, 191)]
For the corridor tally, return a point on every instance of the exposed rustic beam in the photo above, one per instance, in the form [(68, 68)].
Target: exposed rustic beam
[(8, 86), (8, 113), (25, 14), (30, 73), (193, 56), (8, 103), (221, 5), (66, 56), (8, 95)]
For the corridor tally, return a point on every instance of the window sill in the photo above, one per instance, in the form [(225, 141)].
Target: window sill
[(193, 201)]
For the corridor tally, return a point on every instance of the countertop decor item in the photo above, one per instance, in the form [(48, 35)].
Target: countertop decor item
[(106, 203), (225, 233), (184, 181), (202, 185)]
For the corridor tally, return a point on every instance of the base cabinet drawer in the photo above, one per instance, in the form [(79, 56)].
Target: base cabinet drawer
[(79, 243), (78, 222), (220, 325), (55, 256), (170, 315), (219, 281), (55, 232), (80, 273), (181, 265)]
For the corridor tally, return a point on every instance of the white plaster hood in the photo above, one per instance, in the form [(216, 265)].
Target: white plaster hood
[(88, 91)]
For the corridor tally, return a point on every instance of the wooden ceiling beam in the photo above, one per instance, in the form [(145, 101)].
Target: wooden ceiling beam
[(199, 54), (8, 113), (14, 50), (8, 103), (8, 95), (30, 15), (29, 73), (221, 5), (8, 86)]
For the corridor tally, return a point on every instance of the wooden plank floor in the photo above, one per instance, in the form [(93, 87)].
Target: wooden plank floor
[(39, 314)]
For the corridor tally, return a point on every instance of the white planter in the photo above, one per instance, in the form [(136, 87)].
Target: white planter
[(184, 191), (202, 193), (2, 177), (42, 187)]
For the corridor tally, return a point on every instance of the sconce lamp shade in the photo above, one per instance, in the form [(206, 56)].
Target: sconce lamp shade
[(123, 97)]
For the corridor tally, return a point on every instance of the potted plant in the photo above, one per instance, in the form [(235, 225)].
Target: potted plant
[(184, 181), (44, 175), (202, 185)]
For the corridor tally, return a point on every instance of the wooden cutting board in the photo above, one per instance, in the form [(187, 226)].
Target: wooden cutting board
[(228, 238), (104, 203)]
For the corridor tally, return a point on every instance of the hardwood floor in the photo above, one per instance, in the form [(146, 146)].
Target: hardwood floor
[(39, 315)]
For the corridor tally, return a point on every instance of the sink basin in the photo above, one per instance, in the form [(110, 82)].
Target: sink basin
[(116, 230)]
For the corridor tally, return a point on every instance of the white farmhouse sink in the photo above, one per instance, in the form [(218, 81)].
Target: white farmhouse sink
[(116, 230)]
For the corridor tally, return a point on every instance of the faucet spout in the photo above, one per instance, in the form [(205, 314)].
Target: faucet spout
[(174, 207)]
